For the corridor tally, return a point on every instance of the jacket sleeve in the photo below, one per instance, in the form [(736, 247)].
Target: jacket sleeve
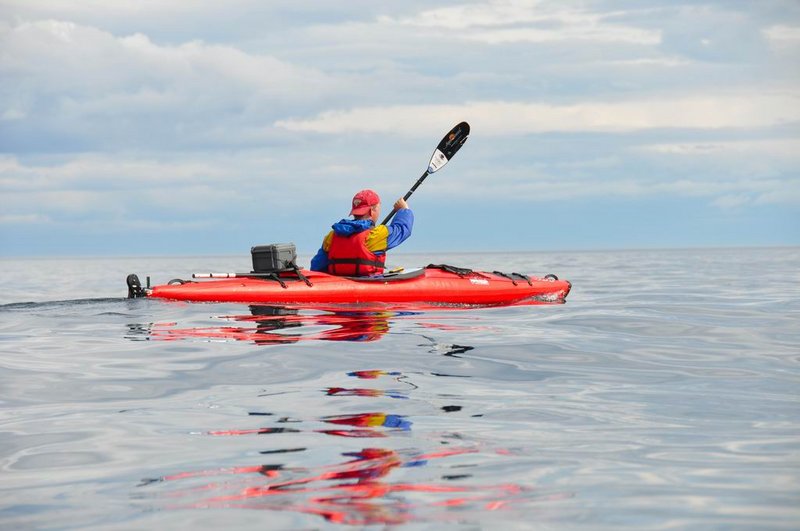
[(400, 228), (320, 260)]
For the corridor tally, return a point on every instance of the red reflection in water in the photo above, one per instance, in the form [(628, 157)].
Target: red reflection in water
[(371, 486), (368, 393), (371, 375), (342, 391), (268, 325), (272, 325), (355, 492)]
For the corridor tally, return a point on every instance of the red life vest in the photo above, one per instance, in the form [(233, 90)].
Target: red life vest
[(348, 256)]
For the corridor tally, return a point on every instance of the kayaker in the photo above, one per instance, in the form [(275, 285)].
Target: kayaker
[(357, 247)]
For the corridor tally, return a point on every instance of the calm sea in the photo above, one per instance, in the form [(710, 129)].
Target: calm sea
[(665, 394)]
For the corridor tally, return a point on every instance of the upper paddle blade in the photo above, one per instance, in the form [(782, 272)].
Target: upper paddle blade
[(451, 143)]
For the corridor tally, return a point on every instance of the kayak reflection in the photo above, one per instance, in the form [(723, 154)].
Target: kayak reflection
[(276, 325), (346, 325), (357, 491), (322, 465), (267, 325)]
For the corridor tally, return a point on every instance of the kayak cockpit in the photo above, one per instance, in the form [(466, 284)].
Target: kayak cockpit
[(399, 274)]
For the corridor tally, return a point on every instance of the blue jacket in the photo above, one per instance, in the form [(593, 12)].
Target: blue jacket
[(381, 239)]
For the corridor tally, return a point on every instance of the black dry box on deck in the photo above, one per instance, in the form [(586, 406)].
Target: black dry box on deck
[(274, 258)]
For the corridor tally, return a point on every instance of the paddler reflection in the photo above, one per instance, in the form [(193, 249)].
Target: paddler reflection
[(364, 424), (345, 325), (372, 424)]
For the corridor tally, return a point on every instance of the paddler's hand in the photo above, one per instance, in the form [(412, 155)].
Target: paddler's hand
[(400, 204)]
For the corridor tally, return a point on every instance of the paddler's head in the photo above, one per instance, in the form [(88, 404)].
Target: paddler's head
[(366, 205)]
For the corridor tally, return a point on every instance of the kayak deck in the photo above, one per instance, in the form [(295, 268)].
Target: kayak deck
[(443, 285)]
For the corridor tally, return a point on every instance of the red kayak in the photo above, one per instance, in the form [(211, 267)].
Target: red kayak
[(435, 284)]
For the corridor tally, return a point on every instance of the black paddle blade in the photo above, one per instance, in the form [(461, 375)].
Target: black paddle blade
[(448, 147), (453, 140)]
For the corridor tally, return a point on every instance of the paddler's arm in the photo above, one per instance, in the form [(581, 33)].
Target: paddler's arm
[(320, 261), (383, 237)]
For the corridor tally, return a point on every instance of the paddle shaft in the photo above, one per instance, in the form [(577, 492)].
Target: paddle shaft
[(405, 197)]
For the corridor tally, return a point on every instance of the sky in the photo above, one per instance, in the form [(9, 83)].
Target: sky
[(160, 127)]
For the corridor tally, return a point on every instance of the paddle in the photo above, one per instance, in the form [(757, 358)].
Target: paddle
[(448, 147)]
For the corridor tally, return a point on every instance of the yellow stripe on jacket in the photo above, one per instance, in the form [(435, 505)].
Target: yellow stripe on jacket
[(376, 240)]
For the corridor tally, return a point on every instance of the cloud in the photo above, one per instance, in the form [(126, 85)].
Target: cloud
[(75, 83), (592, 33), (788, 194), (181, 187), (516, 118), (120, 172), (23, 219), (107, 187), (509, 21), (118, 12), (731, 201), (770, 147), (781, 36), (170, 116), (538, 189), (658, 62)]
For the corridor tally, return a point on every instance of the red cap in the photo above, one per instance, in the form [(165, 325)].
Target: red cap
[(363, 201)]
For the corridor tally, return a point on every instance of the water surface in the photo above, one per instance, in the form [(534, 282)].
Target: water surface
[(663, 394)]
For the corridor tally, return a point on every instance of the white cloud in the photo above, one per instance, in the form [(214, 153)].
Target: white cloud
[(123, 184), (118, 9), (719, 192), (12, 114), (772, 147), (591, 33), (731, 201), (83, 82), (114, 172), (782, 36), (656, 62), (507, 21), (23, 219), (515, 118), (783, 193), (788, 194)]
